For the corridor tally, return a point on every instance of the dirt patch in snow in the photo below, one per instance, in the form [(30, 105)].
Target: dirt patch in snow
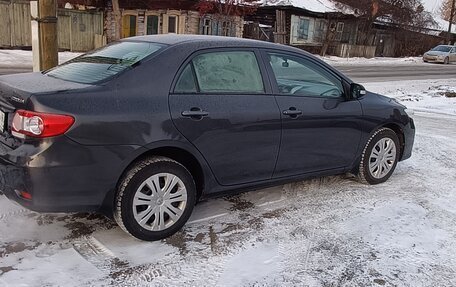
[(16, 247)]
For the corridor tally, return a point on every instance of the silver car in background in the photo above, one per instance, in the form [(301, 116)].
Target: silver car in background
[(441, 54)]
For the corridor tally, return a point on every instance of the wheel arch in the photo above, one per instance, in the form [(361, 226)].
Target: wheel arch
[(400, 134), (396, 128), (178, 153)]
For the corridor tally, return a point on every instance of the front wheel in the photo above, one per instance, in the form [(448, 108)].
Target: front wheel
[(446, 61), (155, 199), (379, 157)]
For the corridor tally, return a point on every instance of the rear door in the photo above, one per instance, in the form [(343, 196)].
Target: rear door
[(223, 106), (321, 128)]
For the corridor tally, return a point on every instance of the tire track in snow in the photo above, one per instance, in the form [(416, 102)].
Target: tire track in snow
[(95, 253), (114, 269), (6, 215)]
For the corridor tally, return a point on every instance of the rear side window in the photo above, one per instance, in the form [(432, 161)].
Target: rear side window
[(232, 72), (186, 82), (104, 63)]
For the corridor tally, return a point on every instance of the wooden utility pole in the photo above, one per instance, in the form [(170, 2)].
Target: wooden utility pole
[(44, 44), (117, 19), (451, 22)]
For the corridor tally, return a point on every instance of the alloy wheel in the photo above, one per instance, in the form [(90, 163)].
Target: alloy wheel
[(159, 201), (382, 158)]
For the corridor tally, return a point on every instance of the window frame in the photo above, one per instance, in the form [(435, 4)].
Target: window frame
[(275, 87), (175, 26), (307, 19), (263, 72), (207, 26), (147, 23), (340, 25)]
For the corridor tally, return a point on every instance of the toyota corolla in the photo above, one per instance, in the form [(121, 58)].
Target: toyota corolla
[(143, 128)]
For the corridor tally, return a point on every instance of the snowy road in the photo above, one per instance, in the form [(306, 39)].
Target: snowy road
[(391, 72), (358, 69), (330, 231)]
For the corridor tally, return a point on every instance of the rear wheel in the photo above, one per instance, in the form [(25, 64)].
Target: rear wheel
[(155, 199), (380, 157)]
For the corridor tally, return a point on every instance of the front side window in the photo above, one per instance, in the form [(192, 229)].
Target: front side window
[(232, 72), (104, 63), (300, 77)]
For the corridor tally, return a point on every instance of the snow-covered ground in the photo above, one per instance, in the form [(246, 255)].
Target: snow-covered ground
[(330, 231), (22, 58), (431, 96), (333, 60)]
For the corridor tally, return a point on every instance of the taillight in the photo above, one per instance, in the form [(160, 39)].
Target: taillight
[(39, 125)]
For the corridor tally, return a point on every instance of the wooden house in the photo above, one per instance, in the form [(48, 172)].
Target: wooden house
[(163, 17), (83, 25), (327, 29)]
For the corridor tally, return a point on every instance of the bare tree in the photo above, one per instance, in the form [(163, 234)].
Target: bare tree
[(409, 13), (227, 7), (445, 11)]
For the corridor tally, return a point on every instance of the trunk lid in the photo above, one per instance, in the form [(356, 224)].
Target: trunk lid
[(15, 90)]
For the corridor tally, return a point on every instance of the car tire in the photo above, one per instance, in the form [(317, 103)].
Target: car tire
[(379, 157), (446, 61), (151, 213)]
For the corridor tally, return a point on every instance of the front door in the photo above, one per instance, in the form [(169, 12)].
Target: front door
[(222, 106), (320, 126)]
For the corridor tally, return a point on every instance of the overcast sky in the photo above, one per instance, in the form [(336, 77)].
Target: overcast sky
[(432, 5)]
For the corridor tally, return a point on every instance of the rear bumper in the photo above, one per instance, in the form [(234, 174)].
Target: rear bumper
[(61, 175), (409, 139)]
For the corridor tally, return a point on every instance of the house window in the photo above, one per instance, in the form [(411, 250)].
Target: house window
[(340, 27), (226, 31), (319, 31), (207, 27), (172, 24), (152, 25), (303, 29), (128, 26)]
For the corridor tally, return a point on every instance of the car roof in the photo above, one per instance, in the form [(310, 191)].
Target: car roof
[(176, 39)]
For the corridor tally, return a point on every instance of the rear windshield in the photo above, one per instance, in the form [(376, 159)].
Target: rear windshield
[(442, 49), (104, 63)]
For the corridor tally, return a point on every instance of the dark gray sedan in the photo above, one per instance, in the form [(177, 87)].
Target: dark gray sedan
[(143, 128)]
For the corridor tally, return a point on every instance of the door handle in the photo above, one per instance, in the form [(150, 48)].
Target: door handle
[(195, 113), (292, 112)]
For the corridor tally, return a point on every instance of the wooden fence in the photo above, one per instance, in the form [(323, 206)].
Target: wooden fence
[(77, 30), (347, 50)]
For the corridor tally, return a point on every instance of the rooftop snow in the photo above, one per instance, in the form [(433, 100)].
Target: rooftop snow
[(321, 6)]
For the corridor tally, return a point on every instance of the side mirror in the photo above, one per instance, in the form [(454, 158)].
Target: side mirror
[(285, 64), (357, 91)]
